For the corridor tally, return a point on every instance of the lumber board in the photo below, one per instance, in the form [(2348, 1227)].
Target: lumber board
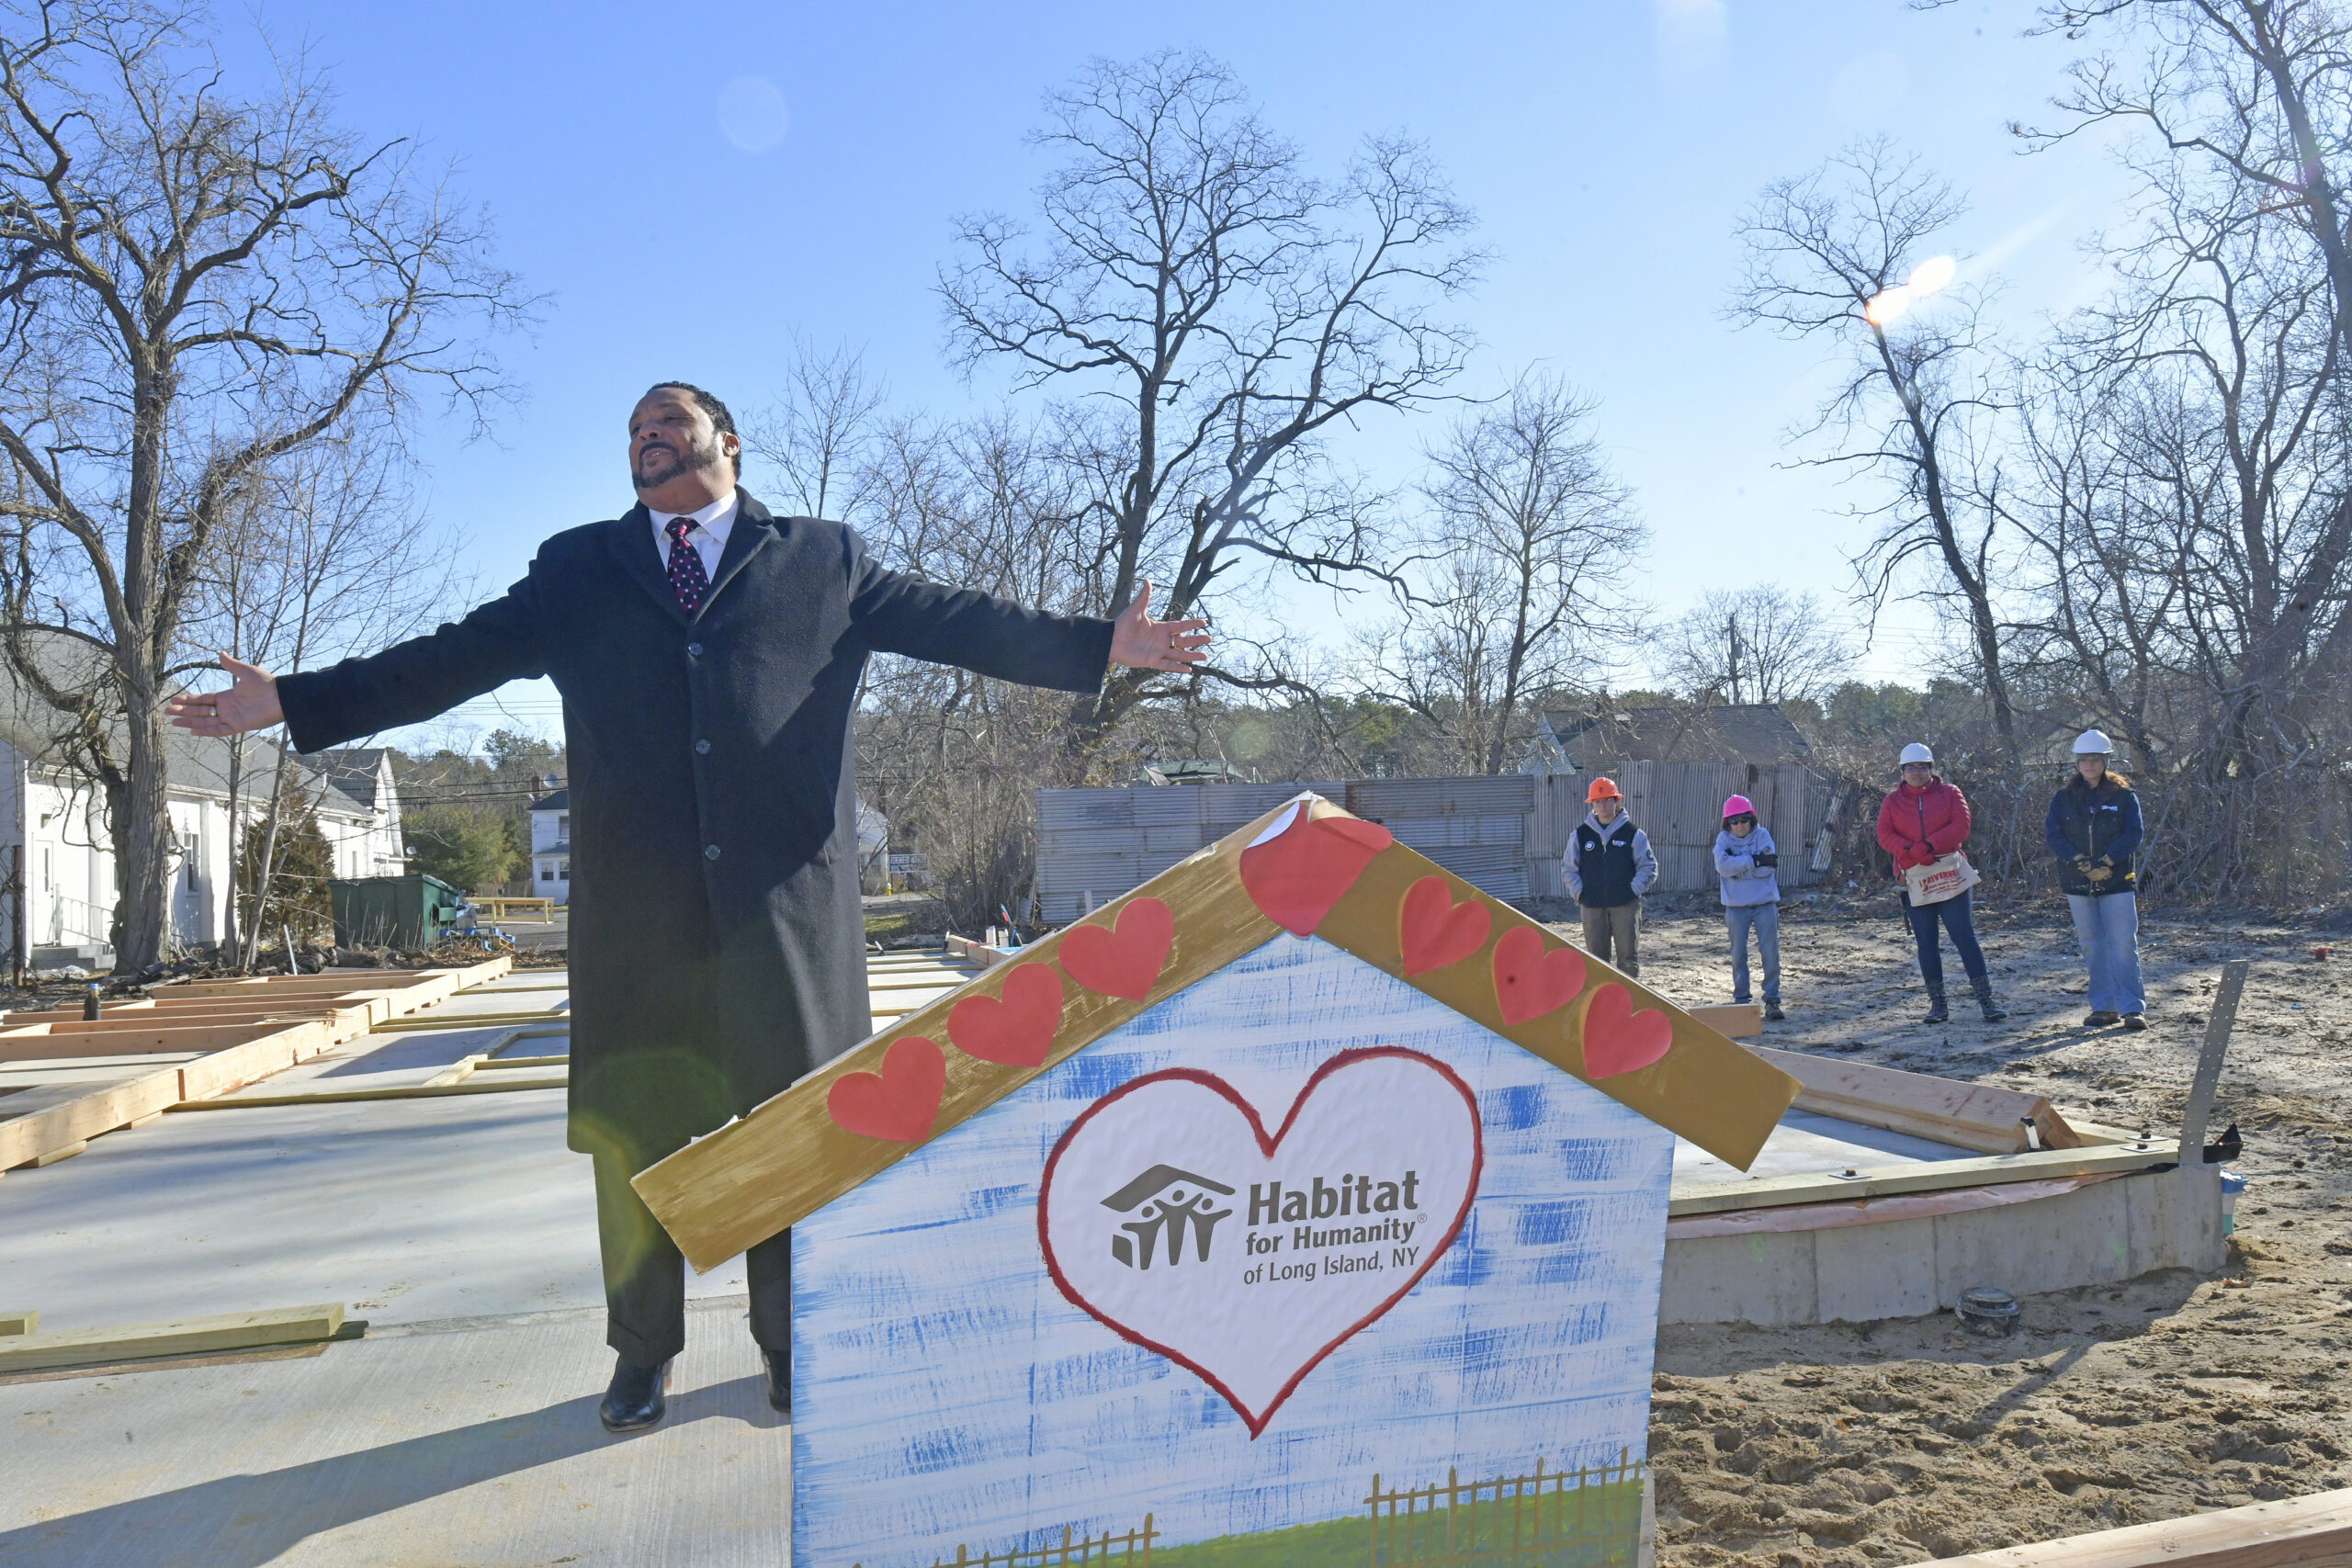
[(1945, 1110), (64, 1151), (196, 1009), (1734, 1020), (102, 1109), (1933, 1176), (2312, 1531), (23, 1322), (73, 1047), (464, 1021), (229, 1331), (516, 1084), (239, 1055), (759, 1174)]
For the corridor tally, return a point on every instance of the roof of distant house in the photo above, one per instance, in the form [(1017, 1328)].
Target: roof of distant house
[(1727, 732), (559, 801), (354, 769)]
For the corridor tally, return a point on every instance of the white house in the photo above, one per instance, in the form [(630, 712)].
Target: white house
[(57, 861), (551, 846)]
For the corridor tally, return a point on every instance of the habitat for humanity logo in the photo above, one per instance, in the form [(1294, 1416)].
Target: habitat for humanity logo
[(1165, 1202)]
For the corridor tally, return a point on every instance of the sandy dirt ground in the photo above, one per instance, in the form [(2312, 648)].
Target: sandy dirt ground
[(1907, 1439)]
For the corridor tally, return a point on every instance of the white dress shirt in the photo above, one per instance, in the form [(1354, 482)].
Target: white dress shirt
[(708, 535)]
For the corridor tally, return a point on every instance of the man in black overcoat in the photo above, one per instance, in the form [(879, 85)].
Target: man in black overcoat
[(709, 654)]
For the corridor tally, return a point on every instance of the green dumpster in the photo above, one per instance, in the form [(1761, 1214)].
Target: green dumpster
[(391, 911)]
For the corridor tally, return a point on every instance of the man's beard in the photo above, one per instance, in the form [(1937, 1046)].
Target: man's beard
[(696, 459)]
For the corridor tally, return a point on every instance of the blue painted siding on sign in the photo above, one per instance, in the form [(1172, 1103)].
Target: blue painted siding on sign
[(945, 1392)]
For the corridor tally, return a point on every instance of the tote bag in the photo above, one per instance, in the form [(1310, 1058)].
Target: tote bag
[(1939, 880)]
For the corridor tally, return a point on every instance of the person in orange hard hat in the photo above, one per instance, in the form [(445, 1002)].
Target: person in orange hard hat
[(1607, 868)]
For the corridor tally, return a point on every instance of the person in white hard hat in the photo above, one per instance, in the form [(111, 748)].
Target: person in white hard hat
[(2094, 829), (1921, 820)]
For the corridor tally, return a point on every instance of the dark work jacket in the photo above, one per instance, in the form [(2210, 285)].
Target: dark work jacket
[(1605, 862), (716, 944), (2094, 822)]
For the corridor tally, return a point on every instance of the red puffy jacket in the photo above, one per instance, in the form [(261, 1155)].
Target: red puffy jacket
[(1918, 826)]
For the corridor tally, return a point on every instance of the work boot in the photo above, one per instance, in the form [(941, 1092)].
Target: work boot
[(2133, 1022), (1994, 1012), (2102, 1018), (1772, 1013), (1939, 1011), (634, 1401), (779, 1380)]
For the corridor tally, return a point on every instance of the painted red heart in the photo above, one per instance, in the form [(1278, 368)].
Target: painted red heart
[(899, 1102), (1018, 1031), (1529, 982), (1432, 930), (1126, 961), (1619, 1040), (1299, 874)]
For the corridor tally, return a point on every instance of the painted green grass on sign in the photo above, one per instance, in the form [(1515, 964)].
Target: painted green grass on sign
[(1596, 1526)]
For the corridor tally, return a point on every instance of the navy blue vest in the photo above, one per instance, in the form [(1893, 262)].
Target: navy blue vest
[(1605, 862)]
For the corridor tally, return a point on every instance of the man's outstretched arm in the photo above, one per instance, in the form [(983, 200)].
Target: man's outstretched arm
[(906, 615), (406, 684)]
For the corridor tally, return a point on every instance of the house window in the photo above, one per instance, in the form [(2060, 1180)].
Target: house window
[(48, 868), (194, 857), (566, 873), (547, 871), (563, 824)]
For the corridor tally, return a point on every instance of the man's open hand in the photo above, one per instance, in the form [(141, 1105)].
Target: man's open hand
[(250, 703), (1142, 643)]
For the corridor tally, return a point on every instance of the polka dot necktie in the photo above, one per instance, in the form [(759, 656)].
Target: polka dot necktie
[(686, 576)]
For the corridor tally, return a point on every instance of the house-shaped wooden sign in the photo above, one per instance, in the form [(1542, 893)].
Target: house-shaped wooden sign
[(1305, 1205)]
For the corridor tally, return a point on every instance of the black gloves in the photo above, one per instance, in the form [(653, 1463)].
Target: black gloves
[(1767, 858)]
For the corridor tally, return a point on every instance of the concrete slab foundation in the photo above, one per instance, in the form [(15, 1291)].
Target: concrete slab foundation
[(2097, 1234)]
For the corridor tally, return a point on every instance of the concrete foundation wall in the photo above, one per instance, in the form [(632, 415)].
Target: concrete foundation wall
[(2097, 1235)]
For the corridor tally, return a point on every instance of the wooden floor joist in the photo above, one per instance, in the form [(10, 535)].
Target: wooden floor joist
[(231, 1331), (13, 1323), (299, 1018), (502, 1084), (2313, 1531)]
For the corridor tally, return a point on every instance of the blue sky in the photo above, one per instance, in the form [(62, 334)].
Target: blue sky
[(1608, 148)]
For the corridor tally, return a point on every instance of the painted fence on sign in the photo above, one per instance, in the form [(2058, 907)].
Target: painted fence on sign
[(1560, 1519), (1129, 1549)]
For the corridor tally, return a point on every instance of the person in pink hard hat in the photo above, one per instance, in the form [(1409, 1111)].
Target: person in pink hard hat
[(1747, 871)]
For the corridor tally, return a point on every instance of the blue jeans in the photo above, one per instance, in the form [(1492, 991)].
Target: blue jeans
[(2108, 928), (1764, 920), (1959, 920)]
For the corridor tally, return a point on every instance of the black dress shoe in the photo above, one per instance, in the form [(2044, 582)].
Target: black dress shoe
[(779, 1380), (634, 1401)]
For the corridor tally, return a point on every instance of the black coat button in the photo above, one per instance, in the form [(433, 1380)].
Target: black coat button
[(710, 852), (701, 748), (693, 650)]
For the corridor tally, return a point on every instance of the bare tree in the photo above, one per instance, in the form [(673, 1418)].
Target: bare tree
[(1527, 560), (815, 433), (1834, 254), (191, 287), (2259, 93), (325, 554), (1226, 310), (1758, 643)]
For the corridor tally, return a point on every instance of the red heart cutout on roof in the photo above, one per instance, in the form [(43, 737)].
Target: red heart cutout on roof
[(1619, 1040), (1296, 875), (899, 1102), (1018, 1031), (1432, 930), (1126, 961), (1529, 982)]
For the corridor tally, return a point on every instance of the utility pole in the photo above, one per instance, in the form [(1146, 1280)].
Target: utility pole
[(1731, 626)]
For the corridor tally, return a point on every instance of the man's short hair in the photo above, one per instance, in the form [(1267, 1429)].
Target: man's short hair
[(719, 418)]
